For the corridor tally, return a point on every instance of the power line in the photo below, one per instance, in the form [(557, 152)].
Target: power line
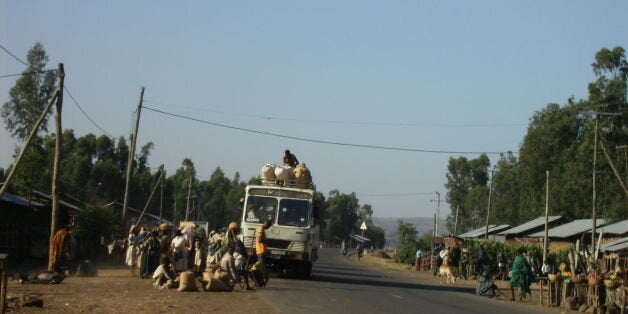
[(320, 141), (343, 122), (398, 194), (85, 113), (64, 87), (27, 72), (14, 57)]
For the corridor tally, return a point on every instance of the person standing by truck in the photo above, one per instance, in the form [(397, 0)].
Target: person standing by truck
[(260, 246)]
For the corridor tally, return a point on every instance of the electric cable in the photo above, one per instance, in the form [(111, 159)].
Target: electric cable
[(321, 141)]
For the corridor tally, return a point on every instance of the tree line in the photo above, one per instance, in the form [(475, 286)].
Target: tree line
[(560, 139)]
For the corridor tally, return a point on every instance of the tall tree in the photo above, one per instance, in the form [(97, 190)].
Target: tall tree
[(463, 176), (29, 96)]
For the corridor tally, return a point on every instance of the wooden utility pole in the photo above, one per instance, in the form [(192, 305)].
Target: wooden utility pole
[(54, 215), (174, 211), (437, 213), (187, 205), (594, 214), (161, 198), (547, 176), (456, 221), (594, 211), (488, 209), (615, 172), (161, 174), (43, 115), (129, 165)]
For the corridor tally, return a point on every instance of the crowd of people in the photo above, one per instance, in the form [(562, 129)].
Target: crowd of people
[(163, 253)]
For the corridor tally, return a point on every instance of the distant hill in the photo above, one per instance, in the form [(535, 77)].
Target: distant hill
[(422, 224)]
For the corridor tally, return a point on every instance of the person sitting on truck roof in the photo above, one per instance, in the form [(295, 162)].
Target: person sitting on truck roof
[(290, 159)]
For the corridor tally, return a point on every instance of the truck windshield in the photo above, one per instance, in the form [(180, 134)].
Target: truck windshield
[(259, 209), (294, 213)]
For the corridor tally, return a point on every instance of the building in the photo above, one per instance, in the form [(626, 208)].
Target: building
[(565, 235), (520, 233), (480, 233)]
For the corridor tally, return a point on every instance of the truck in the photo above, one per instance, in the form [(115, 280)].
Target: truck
[(293, 210)]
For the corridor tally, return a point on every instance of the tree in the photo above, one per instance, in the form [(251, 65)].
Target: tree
[(29, 96), (407, 243), (463, 176), (342, 213)]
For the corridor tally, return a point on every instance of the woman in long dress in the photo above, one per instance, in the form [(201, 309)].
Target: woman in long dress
[(179, 248), (521, 275), (131, 251)]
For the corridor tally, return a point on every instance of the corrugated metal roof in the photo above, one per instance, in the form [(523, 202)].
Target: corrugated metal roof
[(570, 229), (8, 197), (619, 228), (618, 246), (474, 231), (604, 246), (62, 202), (479, 232), (535, 223)]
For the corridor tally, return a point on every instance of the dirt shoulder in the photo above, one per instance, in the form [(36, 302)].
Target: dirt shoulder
[(502, 296), (116, 289)]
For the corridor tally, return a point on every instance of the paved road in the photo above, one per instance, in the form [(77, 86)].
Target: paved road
[(341, 286)]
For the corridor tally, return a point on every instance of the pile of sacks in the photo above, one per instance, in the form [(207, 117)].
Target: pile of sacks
[(214, 280), (273, 173)]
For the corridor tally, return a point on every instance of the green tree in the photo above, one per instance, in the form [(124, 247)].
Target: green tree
[(407, 243), (463, 176), (94, 223), (29, 96), (342, 213)]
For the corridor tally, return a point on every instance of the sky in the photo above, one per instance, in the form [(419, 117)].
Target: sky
[(373, 96)]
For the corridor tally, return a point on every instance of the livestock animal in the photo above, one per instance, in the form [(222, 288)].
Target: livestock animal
[(447, 271), (117, 251), (43, 277)]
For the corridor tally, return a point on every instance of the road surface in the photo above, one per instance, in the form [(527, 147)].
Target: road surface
[(339, 285)]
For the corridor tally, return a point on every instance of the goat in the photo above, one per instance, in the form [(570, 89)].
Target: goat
[(117, 251)]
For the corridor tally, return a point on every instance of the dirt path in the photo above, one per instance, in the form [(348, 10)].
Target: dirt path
[(116, 290)]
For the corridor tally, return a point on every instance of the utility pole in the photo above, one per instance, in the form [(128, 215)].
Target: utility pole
[(187, 206), (625, 148), (28, 141), (437, 200), (54, 215), (129, 165), (150, 198), (488, 209), (547, 176), (161, 197), (456, 221), (594, 213)]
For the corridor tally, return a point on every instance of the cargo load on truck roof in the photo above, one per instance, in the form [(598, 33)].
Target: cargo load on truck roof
[(298, 177)]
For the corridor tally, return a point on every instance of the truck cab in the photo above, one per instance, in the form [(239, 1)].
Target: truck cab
[(293, 238)]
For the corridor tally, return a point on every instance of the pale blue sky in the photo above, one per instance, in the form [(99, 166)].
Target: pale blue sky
[(434, 75)]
